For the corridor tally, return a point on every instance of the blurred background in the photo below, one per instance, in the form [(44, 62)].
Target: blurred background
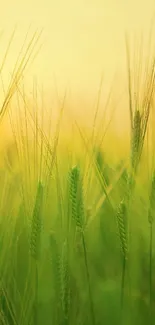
[(82, 42)]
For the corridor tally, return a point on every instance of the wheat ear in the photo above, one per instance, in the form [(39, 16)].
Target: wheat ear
[(122, 230), (77, 204), (135, 141)]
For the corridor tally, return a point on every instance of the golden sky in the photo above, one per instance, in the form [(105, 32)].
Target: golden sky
[(81, 38)]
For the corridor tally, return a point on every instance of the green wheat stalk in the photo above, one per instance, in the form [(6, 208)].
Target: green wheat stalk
[(150, 220), (65, 282), (135, 140), (121, 218), (35, 240), (78, 215), (56, 268), (61, 272)]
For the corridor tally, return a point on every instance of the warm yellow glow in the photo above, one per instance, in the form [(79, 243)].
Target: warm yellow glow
[(81, 39)]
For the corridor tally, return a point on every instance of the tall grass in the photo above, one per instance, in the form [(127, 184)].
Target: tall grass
[(71, 225)]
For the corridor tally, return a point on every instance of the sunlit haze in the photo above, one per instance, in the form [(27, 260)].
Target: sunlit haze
[(81, 41)]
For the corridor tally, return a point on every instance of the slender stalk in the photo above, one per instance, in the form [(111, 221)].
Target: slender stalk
[(150, 271), (88, 279), (123, 287)]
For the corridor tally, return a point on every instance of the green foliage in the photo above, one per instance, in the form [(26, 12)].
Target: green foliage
[(62, 227)]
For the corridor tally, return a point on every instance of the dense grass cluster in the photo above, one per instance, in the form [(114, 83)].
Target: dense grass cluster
[(77, 232)]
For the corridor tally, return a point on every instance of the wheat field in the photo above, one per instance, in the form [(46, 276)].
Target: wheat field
[(77, 204)]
